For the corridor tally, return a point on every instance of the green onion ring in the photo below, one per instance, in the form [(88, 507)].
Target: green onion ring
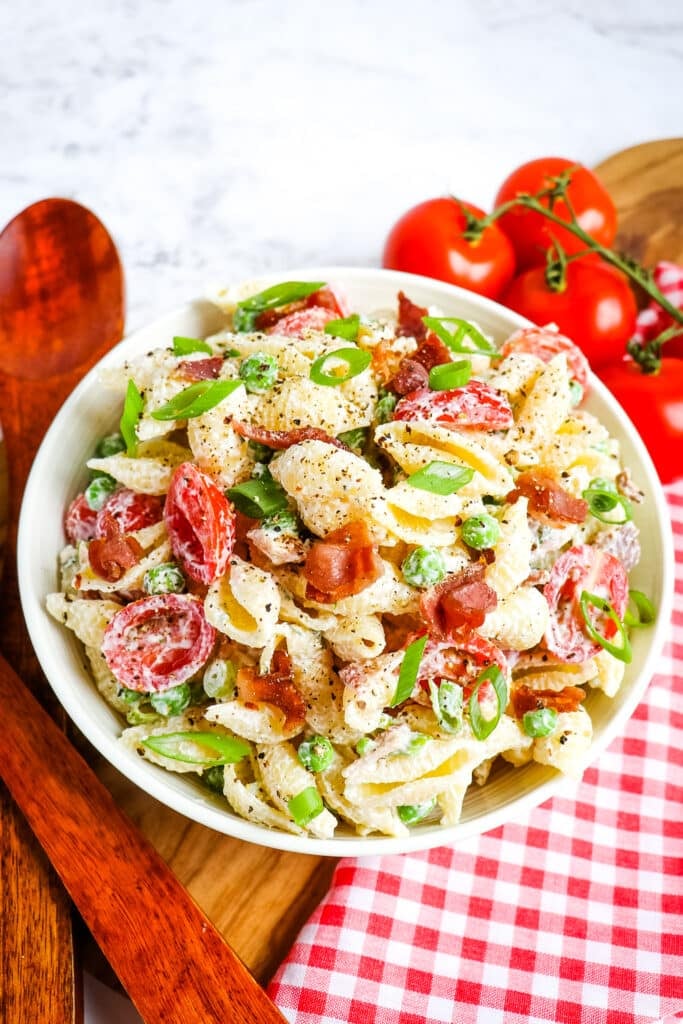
[(410, 666), (356, 360), (622, 652)]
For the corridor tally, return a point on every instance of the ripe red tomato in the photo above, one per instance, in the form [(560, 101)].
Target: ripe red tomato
[(597, 309), (132, 511), (80, 520), (476, 406), (200, 522), (546, 343), (428, 240), (531, 233), (655, 404), (582, 568), (158, 642)]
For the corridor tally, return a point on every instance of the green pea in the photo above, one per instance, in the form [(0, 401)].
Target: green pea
[(112, 444), (259, 372), (164, 579), (480, 531), (214, 778), (219, 679), (540, 722), (172, 701), (416, 742), (364, 745), (384, 408), (424, 567), (410, 814), (316, 754), (98, 490)]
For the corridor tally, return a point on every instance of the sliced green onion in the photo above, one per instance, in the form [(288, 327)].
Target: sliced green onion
[(136, 715), (316, 754), (172, 701), (355, 439), (132, 411), (205, 748), (218, 681), (184, 346), (258, 498), (99, 490), (410, 814), (259, 372), (483, 727), (354, 359), (455, 340), (196, 399), (603, 497), (575, 392), (385, 406), (246, 313), (410, 666), (450, 375), (645, 612), (424, 567), (621, 651), (441, 477), (446, 698), (540, 722), (305, 806), (480, 532), (112, 444), (164, 579), (214, 778), (346, 328)]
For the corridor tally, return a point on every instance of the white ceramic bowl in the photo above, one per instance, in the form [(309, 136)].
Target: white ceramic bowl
[(58, 474)]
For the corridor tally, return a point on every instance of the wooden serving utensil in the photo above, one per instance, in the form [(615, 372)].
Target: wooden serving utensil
[(62, 306)]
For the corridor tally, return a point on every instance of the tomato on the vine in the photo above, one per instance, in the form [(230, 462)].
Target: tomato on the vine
[(655, 404), (531, 233), (430, 239), (596, 308)]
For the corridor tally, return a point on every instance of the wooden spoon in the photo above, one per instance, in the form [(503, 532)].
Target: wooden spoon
[(60, 278)]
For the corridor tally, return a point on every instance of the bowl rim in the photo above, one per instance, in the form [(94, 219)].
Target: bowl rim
[(152, 781)]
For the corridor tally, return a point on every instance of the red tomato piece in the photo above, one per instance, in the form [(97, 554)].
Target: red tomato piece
[(596, 308), (158, 642), (332, 297), (546, 342), (531, 233), (429, 240), (201, 523), (476, 406), (312, 319), (582, 568), (80, 520), (130, 510)]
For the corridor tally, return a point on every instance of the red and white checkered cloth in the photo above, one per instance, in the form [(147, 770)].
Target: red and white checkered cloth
[(652, 321), (572, 915)]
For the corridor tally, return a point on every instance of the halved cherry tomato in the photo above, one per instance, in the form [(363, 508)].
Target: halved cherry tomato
[(546, 342), (132, 511), (429, 240), (201, 523), (531, 233), (294, 324), (582, 568), (597, 308), (158, 642), (476, 406), (655, 404), (80, 520)]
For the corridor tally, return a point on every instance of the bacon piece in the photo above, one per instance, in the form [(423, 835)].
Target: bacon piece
[(413, 371), (111, 554), (341, 564), (281, 439), (410, 376), (276, 687), (201, 369), (431, 352), (525, 698), (548, 501), (410, 319), (461, 601)]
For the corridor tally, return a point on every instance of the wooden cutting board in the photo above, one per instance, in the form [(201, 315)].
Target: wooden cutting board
[(259, 898)]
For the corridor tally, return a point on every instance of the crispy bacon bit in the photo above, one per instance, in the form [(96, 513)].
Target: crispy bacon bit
[(410, 319), (281, 439), (431, 352), (548, 501), (345, 562), (114, 552), (461, 601), (276, 687), (201, 369), (525, 698), (410, 376)]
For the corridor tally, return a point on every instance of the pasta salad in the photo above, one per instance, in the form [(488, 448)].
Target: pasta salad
[(343, 566)]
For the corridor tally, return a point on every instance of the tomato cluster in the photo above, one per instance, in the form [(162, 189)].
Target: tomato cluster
[(540, 269)]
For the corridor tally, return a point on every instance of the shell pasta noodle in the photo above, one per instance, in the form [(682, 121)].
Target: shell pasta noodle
[(338, 581)]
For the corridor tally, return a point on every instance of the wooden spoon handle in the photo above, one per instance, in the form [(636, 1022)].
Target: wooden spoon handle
[(175, 969)]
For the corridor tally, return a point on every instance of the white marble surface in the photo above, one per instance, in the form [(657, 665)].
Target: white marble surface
[(220, 138)]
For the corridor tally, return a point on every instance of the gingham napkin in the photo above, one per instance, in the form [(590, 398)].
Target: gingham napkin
[(652, 321), (572, 915)]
